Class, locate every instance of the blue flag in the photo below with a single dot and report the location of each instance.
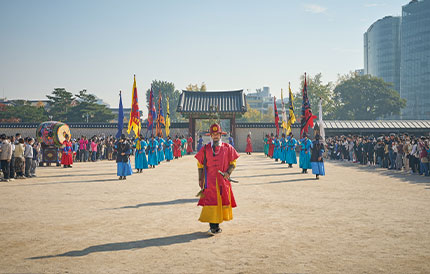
(120, 117)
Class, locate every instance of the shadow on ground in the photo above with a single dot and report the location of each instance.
(173, 202)
(162, 241)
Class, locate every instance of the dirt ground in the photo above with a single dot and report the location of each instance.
(84, 220)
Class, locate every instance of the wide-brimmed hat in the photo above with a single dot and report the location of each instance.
(216, 128)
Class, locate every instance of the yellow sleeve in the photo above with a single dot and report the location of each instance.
(199, 165)
(233, 163)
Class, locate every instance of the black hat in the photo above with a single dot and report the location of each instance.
(122, 136)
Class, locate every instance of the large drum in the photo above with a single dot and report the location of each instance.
(52, 133)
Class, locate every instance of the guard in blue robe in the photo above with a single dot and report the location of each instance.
(305, 154)
(140, 161)
(277, 150)
(231, 140)
(199, 143)
(123, 165)
(317, 162)
(291, 151)
(152, 153)
(160, 150)
(168, 151)
(283, 155)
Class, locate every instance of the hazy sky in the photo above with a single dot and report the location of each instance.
(99, 45)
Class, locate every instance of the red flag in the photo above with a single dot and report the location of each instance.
(307, 118)
(276, 116)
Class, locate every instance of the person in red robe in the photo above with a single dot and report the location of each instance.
(189, 145)
(216, 196)
(177, 148)
(67, 155)
(271, 145)
(248, 148)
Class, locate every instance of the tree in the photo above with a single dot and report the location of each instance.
(167, 89)
(252, 115)
(86, 104)
(366, 98)
(269, 116)
(195, 87)
(316, 90)
(60, 104)
(23, 111)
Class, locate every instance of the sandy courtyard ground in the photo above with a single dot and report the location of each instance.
(84, 220)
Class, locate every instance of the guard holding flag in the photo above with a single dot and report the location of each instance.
(216, 161)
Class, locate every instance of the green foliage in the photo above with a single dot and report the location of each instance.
(24, 111)
(167, 89)
(252, 115)
(365, 98)
(86, 104)
(316, 90)
(60, 104)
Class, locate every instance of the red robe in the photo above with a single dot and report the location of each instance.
(271, 147)
(67, 153)
(224, 155)
(190, 145)
(248, 145)
(177, 148)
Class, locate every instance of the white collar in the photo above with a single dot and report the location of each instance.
(219, 144)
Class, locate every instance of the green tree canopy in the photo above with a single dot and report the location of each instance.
(60, 103)
(167, 89)
(86, 104)
(316, 90)
(196, 87)
(24, 112)
(365, 98)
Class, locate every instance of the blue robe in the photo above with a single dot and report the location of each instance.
(317, 166)
(291, 151)
(231, 141)
(168, 150)
(140, 161)
(152, 154)
(160, 151)
(283, 156)
(199, 144)
(305, 158)
(277, 151)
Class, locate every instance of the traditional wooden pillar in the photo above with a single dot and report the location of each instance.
(233, 130)
(192, 129)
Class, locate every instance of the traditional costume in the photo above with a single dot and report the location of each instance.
(317, 157)
(183, 146)
(277, 149)
(271, 146)
(231, 141)
(160, 150)
(283, 155)
(123, 158)
(168, 152)
(140, 161)
(199, 144)
(152, 154)
(217, 197)
(248, 148)
(305, 154)
(266, 145)
(190, 145)
(291, 151)
(177, 148)
(67, 155)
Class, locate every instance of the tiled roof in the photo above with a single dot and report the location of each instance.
(212, 101)
(377, 124)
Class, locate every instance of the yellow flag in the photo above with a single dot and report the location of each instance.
(284, 114)
(291, 117)
(134, 122)
(167, 125)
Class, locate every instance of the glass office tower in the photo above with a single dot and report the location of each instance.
(415, 59)
(382, 50)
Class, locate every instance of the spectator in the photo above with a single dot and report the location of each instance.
(5, 157)
(19, 159)
(28, 155)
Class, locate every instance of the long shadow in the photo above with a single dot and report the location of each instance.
(71, 182)
(406, 177)
(280, 182)
(267, 175)
(77, 175)
(162, 241)
(173, 202)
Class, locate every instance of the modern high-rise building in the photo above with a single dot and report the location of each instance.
(415, 59)
(397, 49)
(382, 50)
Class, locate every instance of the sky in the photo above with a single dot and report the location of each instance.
(228, 44)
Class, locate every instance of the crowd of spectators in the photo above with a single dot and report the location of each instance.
(394, 152)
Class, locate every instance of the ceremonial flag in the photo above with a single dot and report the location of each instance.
(160, 117)
(151, 111)
(284, 114)
(134, 122)
(167, 117)
(276, 116)
(320, 121)
(291, 116)
(307, 118)
(120, 117)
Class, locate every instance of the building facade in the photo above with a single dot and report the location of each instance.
(415, 59)
(382, 50)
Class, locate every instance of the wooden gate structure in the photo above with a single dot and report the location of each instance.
(210, 105)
